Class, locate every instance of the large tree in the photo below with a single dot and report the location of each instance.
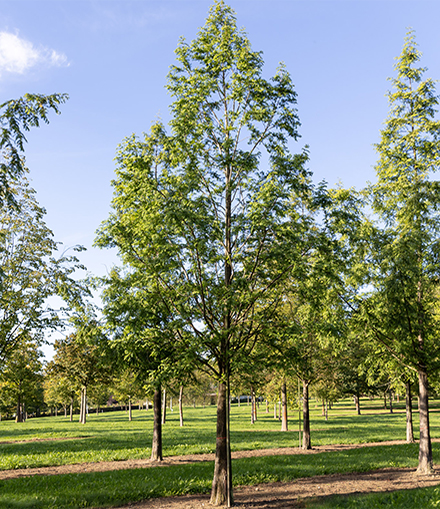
(211, 212)
(405, 258)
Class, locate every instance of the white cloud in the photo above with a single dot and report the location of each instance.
(19, 55)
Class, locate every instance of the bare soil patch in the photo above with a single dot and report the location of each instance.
(264, 496)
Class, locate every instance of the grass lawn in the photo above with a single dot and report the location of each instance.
(110, 436)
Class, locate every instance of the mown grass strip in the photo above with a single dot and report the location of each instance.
(106, 489)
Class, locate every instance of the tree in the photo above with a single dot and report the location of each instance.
(22, 377)
(17, 116)
(142, 338)
(402, 311)
(30, 273)
(211, 212)
(82, 358)
(58, 389)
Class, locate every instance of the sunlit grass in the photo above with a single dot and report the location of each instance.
(110, 436)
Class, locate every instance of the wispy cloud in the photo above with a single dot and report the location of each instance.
(18, 55)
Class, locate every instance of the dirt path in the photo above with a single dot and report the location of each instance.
(264, 496)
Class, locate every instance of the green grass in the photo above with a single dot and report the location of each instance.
(105, 489)
(110, 436)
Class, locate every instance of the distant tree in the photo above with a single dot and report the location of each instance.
(127, 387)
(59, 389)
(17, 116)
(82, 358)
(22, 377)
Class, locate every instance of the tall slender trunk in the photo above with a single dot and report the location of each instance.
(156, 447)
(222, 482)
(284, 425)
(83, 406)
(181, 405)
(164, 406)
(71, 409)
(409, 420)
(130, 413)
(391, 401)
(307, 443)
(425, 448)
(253, 406)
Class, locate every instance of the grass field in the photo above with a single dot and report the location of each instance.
(110, 436)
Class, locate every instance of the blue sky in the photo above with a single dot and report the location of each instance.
(112, 58)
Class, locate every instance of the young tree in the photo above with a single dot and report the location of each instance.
(406, 198)
(17, 116)
(211, 212)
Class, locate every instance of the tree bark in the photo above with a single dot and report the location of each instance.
(164, 406)
(19, 414)
(391, 401)
(425, 448)
(222, 482)
(358, 403)
(307, 442)
(284, 425)
(83, 405)
(156, 448)
(181, 405)
(409, 420)
(253, 406)
(130, 413)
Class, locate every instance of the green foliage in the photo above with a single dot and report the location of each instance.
(404, 252)
(22, 378)
(30, 273)
(17, 116)
(211, 228)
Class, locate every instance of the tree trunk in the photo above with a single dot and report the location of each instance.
(275, 415)
(19, 414)
(409, 420)
(156, 448)
(71, 409)
(181, 405)
(83, 405)
(130, 413)
(425, 448)
(222, 482)
(358, 403)
(307, 443)
(284, 425)
(164, 406)
(391, 401)
(253, 406)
